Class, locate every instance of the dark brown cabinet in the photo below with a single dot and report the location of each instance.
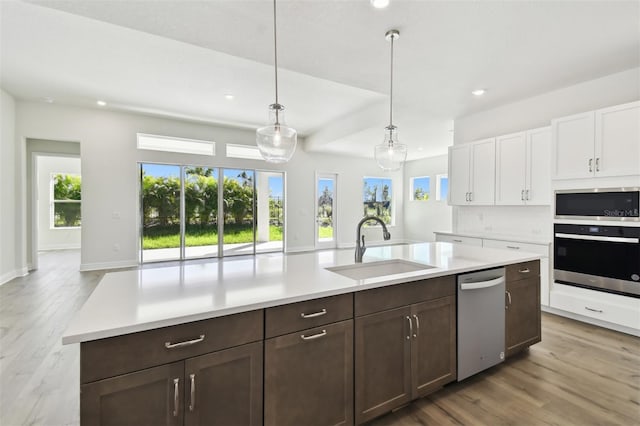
(201, 373)
(147, 397)
(406, 352)
(523, 321)
(309, 377)
(225, 387)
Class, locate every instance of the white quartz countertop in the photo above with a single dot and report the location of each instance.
(502, 237)
(139, 300)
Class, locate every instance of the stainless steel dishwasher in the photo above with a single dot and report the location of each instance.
(480, 321)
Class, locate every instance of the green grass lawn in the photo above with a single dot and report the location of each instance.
(169, 236)
(325, 232)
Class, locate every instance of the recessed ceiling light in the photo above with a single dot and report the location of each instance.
(48, 100)
(101, 103)
(229, 97)
(379, 4)
(478, 92)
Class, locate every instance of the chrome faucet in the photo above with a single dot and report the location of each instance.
(361, 248)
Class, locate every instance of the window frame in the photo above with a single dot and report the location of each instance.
(412, 188)
(392, 212)
(53, 201)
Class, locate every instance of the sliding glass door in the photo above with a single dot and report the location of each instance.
(186, 214)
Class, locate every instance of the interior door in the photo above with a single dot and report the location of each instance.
(325, 210)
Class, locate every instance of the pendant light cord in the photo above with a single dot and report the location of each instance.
(391, 91)
(275, 49)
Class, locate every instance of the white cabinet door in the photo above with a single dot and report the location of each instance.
(617, 140)
(459, 172)
(538, 171)
(511, 159)
(483, 172)
(573, 146)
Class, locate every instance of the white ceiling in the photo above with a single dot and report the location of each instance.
(178, 58)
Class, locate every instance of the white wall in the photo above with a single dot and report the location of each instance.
(531, 113)
(54, 238)
(110, 177)
(423, 218)
(10, 267)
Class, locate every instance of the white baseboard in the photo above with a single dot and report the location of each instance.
(8, 276)
(108, 265)
(593, 321)
(300, 249)
(69, 246)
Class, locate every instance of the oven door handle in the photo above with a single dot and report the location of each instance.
(597, 238)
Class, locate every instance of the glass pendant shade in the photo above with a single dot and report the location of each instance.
(390, 154)
(276, 141)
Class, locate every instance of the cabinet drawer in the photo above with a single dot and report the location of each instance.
(523, 270)
(131, 352)
(613, 308)
(459, 239)
(381, 299)
(542, 249)
(310, 313)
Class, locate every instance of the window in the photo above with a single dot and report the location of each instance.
(420, 188)
(442, 187)
(377, 198)
(66, 201)
(171, 144)
(243, 151)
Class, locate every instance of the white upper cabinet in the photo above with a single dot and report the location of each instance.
(472, 173)
(598, 143)
(522, 168)
(617, 140)
(538, 167)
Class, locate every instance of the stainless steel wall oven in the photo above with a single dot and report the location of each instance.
(604, 258)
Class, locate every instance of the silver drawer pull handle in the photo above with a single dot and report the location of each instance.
(192, 403)
(315, 336)
(175, 397)
(457, 241)
(593, 310)
(513, 247)
(410, 328)
(170, 345)
(314, 315)
(417, 333)
(524, 271)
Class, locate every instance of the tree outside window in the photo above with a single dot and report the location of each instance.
(420, 188)
(66, 196)
(377, 198)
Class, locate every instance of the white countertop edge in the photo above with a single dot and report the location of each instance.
(498, 237)
(356, 285)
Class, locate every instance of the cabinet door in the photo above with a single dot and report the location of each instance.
(382, 362)
(309, 377)
(148, 397)
(511, 155)
(618, 140)
(522, 314)
(538, 171)
(433, 354)
(573, 146)
(224, 387)
(459, 169)
(483, 172)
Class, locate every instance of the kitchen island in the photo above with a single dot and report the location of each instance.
(247, 340)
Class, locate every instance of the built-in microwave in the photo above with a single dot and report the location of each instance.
(600, 204)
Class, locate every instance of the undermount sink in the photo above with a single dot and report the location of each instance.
(361, 271)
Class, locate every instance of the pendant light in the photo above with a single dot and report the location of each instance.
(276, 141)
(390, 154)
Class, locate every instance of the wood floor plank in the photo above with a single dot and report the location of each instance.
(578, 375)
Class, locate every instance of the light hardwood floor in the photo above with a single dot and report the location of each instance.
(578, 375)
